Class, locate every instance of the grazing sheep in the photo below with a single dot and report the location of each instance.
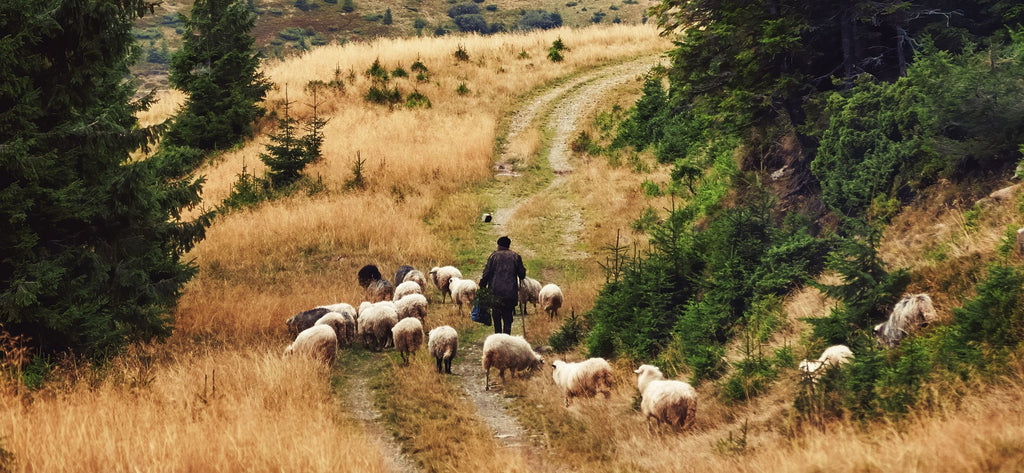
(402, 271)
(832, 356)
(408, 337)
(344, 326)
(375, 323)
(418, 278)
(550, 299)
(910, 313)
(341, 308)
(406, 288)
(318, 342)
(380, 290)
(443, 344)
(413, 305)
(442, 277)
(669, 401)
(505, 352)
(586, 378)
(368, 274)
(529, 291)
(303, 320)
(463, 291)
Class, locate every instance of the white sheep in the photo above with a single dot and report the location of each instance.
(442, 276)
(550, 299)
(417, 277)
(585, 378)
(402, 271)
(505, 352)
(408, 337)
(319, 342)
(413, 305)
(834, 355)
(344, 325)
(529, 291)
(910, 313)
(670, 401)
(375, 323)
(463, 291)
(340, 307)
(406, 288)
(443, 344)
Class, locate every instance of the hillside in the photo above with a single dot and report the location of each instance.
(288, 27)
(504, 135)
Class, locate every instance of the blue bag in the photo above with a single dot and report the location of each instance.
(480, 314)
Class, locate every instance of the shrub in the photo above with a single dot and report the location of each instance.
(581, 143)
(348, 6)
(554, 55)
(492, 8)
(569, 335)
(472, 23)
(463, 9)
(417, 100)
(382, 95)
(419, 23)
(539, 19)
(461, 54)
(462, 89)
(399, 72)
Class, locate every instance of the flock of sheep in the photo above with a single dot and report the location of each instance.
(394, 317)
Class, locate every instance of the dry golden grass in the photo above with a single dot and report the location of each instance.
(194, 408)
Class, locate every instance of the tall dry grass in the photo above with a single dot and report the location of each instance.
(191, 408)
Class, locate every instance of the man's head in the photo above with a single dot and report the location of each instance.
(504, 242)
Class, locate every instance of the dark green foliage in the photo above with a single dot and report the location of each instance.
(91, 252)
(462, 89)
(463, 9)
(461, 54)
(647, 119)
(219, 70)
(302, 5)
(569, 335)
(247, 191)
(358, 180)
(598, 16)
(288, 154)
(383, 95)
(492, 8)
(387, 20)
(472, 23)
(867, 293)
(348, 6)
(417, 100)
(554, 55)
(539, 19)
(399, 72)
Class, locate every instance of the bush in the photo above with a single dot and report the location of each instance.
(348, 6)
(539, 19)
(462, 89)
(461, 54)
(382, 95)
(492, 8)
(463, 9)
(473, 23)
(419, 23)
(570, 334)
(417, 100)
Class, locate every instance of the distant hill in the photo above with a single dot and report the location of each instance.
(288, 27)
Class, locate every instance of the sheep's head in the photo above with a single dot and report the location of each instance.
(646, 374)
(538, 361)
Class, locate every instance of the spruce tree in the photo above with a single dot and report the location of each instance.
(90, 255)
(219, 70)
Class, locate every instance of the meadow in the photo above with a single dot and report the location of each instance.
(218, 396)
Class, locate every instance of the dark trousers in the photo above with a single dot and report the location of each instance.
(501, 315)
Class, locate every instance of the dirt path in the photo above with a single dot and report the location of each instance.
(359, 402)
(568, 103)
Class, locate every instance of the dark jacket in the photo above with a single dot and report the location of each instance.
(502, 274)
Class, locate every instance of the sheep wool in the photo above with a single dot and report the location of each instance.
(442, 276)
(417, 277)
(344, 326)
(585, 378)
(318, 342)
(550, 298)
(408, 336)
(406, 288)
(443, 345)
(834, 355)
(669, 401)
(402, 271)
(909, 314)
(529, 291)
(507, 352)
(413, 305)
(375, 323)
(463, 291)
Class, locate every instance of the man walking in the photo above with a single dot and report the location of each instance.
(502, 274)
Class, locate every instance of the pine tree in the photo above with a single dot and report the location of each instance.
(219, 69)
(91, 252)
(387, 17)
(289, 153)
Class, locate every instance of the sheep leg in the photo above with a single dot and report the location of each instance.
(448, 366)
(487, 379)
(438, 365)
